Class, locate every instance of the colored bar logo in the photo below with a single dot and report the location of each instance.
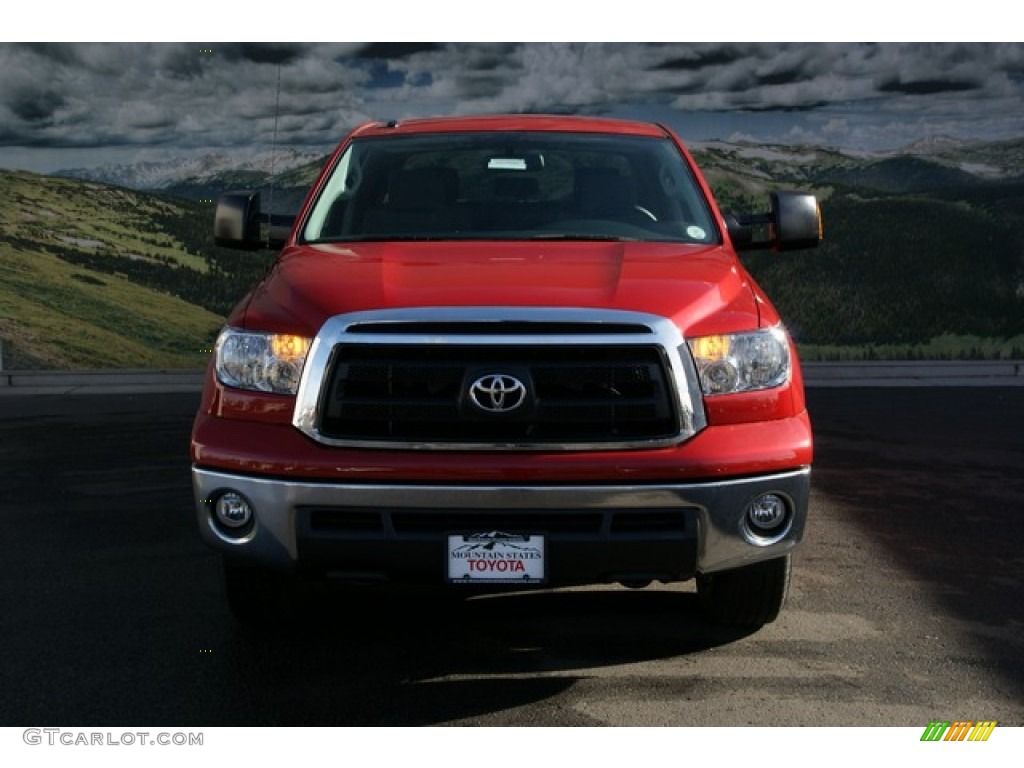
(960, 730)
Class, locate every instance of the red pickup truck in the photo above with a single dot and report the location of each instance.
(507, 352)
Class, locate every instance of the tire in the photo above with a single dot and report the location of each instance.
(748, 597)
(259, 597)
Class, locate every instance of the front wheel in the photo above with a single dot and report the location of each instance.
(750, 596)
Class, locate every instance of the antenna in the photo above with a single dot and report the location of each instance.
(273, 157)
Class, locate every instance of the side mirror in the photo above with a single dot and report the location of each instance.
(740, 232)
(237, 223)
(797, 219)
(794, 223)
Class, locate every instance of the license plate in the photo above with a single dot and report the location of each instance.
(496, 558)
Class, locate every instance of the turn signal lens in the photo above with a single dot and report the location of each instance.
(710, 347)
(741, 362)
(264, 362)
(289, 348)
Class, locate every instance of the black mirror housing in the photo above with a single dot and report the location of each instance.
(797, 221)
(740, 232)
(237, 221)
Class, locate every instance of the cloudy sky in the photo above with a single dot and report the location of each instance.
(68, 105)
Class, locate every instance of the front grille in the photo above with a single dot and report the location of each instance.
(361, 522)
(499, 379)
(499, 328)
(419, 392)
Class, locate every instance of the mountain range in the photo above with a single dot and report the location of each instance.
(206, 168)
(927, 165)
(923, 253)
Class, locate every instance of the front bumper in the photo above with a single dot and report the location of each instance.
(595, 533)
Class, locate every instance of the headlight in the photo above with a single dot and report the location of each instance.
(741, 362)
(266, 362)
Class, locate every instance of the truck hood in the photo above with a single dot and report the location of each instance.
(702, 289)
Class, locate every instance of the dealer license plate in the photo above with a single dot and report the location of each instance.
(496, 558)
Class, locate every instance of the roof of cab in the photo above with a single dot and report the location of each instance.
(571, 123)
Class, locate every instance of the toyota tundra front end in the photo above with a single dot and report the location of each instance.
(508, 352)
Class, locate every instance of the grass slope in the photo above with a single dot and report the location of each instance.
(99, 276)
(67, 249)
(902, 272)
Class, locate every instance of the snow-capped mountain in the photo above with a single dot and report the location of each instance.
(196, 169)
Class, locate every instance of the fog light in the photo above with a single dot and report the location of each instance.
(767, 513)
(232, 511)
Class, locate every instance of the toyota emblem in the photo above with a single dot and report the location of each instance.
(497, 393)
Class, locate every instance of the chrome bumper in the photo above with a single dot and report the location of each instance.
(718, 506)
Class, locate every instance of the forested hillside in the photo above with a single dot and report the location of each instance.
(920, 258)
(899, 270)
(923, 257)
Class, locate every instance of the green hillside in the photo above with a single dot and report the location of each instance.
(899, 270)
(93, 276)
(921, 259)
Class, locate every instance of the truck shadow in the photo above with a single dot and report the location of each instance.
(386, 657)
(932, 479)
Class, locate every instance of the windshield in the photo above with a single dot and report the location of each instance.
(503, 186)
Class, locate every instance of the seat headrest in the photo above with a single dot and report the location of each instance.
(516, 187)
(420, 189)
(603, 189)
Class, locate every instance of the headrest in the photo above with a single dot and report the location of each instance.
(603, 189)
(516, 187)
(420, 189)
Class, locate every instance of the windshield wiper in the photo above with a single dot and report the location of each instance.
(472, 236)
(581, 236)
(381, 238)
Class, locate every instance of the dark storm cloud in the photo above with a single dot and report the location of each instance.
(489, 57)
(395, 50)
(100, 59)
(480, 85)
(63, 54)
(210, 95)
(702, 58)
(876, 79)
(781, 77)
(180, 63)
(192, 95)
(259, 53)
(36, 108)
(804, 107)
(926, 87)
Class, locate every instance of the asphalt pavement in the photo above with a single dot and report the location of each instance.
(905, 605)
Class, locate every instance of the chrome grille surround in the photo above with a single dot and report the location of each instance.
(494, 328)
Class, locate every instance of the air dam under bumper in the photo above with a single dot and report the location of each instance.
(595, 533)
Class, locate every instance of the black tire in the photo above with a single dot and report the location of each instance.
(750, 597)
(259, 597)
